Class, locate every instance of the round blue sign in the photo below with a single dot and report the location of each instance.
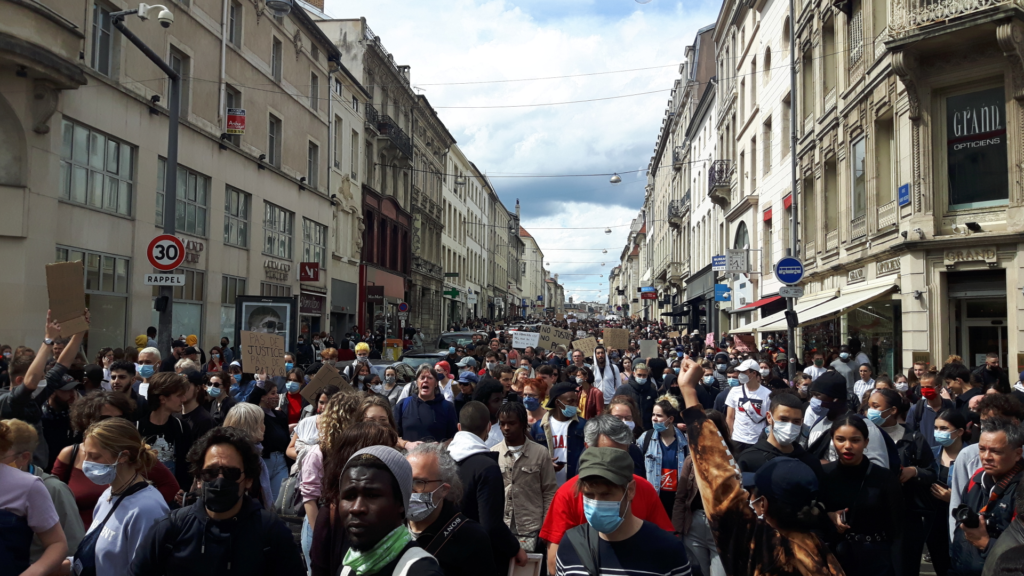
(789, 270)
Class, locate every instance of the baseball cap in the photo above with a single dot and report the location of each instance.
(467, 377)
(612, 464)
(749, 364)
(396, 463)
(190, 350)
(68, 383)
(467, 361)
(785, 479)
(559, 389)
(94, 373)
(781, 357)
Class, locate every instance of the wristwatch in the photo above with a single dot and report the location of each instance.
(48, 341)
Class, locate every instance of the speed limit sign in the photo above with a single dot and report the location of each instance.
(166, 252)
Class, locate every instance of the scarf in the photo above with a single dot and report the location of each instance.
(372, 560)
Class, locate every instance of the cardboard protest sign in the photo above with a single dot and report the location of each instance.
(559, 316)
(649, 348)
(586, 345)
(262, 351)
(673, 334)
(522, 339)
(551, 337)
(581, 334)
(65, 283)
(325, 376)
(744, 342)
(616, 338)
(532, 567)
(710, 339)
(570, 321)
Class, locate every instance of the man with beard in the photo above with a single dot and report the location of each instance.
(992, 375)
(606, 375)
(122, 376)
(56, 420)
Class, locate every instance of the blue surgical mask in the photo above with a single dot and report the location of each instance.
(237, 377)
(531, 403)
(709, 379)
(844, 355)
(292, 386)
(676, 369)
(659, 427)
(944, 438)
(817, 406)
(734, 381)
(603, 516)
(215, 356)
(213, 391)
(146, 371)
(875, 416)
(569, 411)
(721, 367)
(640, 380)
(451, 349)
(101, 474)
(288, 366)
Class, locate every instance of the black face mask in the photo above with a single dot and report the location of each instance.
(220, 495)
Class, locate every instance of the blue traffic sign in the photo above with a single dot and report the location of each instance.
(904, 194)
(789, 270)
(718, 263)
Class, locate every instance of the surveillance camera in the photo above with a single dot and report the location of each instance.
(165, 17)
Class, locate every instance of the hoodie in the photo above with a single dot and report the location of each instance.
(483, 496)
(605, 380)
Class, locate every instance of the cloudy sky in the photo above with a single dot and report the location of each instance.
(457, 47)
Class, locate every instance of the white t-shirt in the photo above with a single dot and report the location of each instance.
(559, 434)
(751, 412)
(494, 436)
(814, 371)
(122, 535)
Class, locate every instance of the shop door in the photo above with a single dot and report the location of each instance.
(982, 329)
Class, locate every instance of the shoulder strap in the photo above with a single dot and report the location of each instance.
(585, 540)
(647, 440)
(138, 486)
(74, 456)
(449, 530)
(410, 557)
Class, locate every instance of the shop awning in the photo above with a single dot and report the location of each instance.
(777, 321)
(845, 303)
(760, 303)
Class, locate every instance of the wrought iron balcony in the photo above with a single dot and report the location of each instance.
(388, 128)
(718, 175)
(371, 115)
(677, 210)
(908, 16)
(677, 157)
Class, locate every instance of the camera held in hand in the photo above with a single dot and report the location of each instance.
(964, 515)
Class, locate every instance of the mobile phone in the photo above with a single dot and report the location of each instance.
(842, 516)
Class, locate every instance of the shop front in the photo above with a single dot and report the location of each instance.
(381, 293)
(312, 306)
(344, 296)
(700, 303)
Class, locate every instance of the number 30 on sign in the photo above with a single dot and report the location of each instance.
(166, 252)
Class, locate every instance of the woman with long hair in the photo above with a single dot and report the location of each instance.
(624, 408)
(276, 436)
(116, 457)
(376, 408)
(292, 403)
(591, 399)
(218, 401)
(307, 433)
(521, 375)
(216, 363)
(950, 431)
(250, 419)
(626, 369)
(392, 387)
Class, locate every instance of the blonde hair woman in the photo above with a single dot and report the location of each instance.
(249, 419)
(116, 455)
(518, 379)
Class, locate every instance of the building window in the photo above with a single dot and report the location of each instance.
(190, 209)
(96, 170)
(855, 32)
(314, 242)
(101, 40)
(766, 143)
(277, 231)
(339, 129)
(236, 217)
(274, 141)
(312, 164)
(235, 24)
(275, 60)
(884, 145)
(233, 99)
(181, 64)
(769, 245)
(230, 289)
(187, 316)
(106, 289)
(828, 47)
(785, 135)
(859, 185)
(314, 91)
(355, 155)
(314, 53)
(976, 154)
(268, 289)
(355, 105)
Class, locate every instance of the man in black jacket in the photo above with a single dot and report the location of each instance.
(785, 422)
(483, 497)
(224, 531)
(642, 391)
(460, 545)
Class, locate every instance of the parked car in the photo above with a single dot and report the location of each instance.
(449, 339)
(415, 359)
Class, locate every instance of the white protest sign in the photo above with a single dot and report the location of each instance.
(522, 340)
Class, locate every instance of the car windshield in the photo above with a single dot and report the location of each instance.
(449, 340)
(414, 362)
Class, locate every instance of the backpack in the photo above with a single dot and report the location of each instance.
(585, 541)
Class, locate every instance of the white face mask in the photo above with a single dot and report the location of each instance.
(629, 424)
(902, 387)
(785, 432)
(743, 378)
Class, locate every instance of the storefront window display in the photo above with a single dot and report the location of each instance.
(877, 327)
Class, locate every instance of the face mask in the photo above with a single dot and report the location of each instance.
(101, 474)
(876, 417)
(676, 369)
(145, 370)
(301, 342)
(944, 438)
(491, 365)
(640, 380)
(288, 366)
(603, 516)
(569, 411)
(722, 367)
(531, 404)
(765, 372)
(213, 391)
(743, 378)
(819, 362)
(581, 381)
(817, 406)
(734, 362)
(377, 388)
(389, 379)
(292, 386)
(629, 424)
(902, 386)
(7, 355)
(709, 379)
(804, 389)
(770, 342)
(929, 393)
(215, 356)
(786, 432)
(659, 427)
(844, 355)
(220, 495)
(237, 377)
(451, 349)
(421, 505)
(733, 381)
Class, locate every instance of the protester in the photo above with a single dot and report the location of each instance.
(460, 544)
(291, 402)
(490, 394)
(780, 437)
(218, 402)
(425, 416)
(392, 388)
(236, 533)
(606, 375)
(664, 450)
(193, 409)
(276, 435)
(561, 431)
(535, 395)
(748, 405)
(167, 435)
(249, 418)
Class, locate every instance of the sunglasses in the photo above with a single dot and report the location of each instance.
(230, 473)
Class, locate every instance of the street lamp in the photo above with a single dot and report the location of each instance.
(615, 179)
(279, 8)
(166, 18)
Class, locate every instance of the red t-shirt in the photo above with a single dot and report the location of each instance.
(566, 510)
(294, 407)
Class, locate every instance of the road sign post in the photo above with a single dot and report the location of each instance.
(789, 270)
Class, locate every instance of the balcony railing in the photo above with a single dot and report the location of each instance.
(830, 99)
(718, 175)
(888, 214)
(859, 228)
(677, 158)
(676, 210)
(808, 124)
(386, 126)
(832, 241)
(906, 16)
(372, 116)
(809, 251)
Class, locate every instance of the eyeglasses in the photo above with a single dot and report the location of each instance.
(230, 473)
(421, 485)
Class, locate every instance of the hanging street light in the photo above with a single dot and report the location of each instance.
(615, 179)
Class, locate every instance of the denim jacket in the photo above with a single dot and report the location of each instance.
(652, 457)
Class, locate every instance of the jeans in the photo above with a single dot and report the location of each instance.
(307, 542)
(700, 545)
(278, 472)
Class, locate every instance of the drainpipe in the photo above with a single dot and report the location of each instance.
(222, 96)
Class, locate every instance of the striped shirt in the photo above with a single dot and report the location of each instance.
(650, 552)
